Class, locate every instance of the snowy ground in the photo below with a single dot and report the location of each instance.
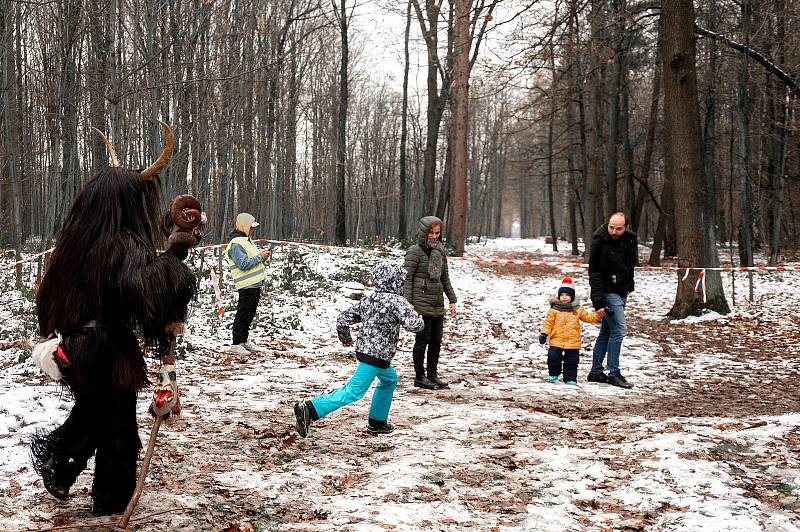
(708, 439)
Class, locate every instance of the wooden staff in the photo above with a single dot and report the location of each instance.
(137, 493)
(123, 523)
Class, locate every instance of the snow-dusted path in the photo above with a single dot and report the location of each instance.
(708, 439)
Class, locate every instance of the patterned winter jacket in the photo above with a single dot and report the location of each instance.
(380, 315)
(563, 324)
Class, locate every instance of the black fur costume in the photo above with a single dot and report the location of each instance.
(104, 281)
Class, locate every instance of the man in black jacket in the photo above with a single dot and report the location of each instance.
(614, 254)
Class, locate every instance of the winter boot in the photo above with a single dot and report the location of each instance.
(438, 382)
(302, 415)
(552, 378)
(376, 427)
(424, 382)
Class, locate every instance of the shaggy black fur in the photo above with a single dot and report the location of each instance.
(105, 268)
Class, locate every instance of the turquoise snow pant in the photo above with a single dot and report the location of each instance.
(355, 389)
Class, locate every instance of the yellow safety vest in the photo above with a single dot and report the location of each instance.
(245, 278)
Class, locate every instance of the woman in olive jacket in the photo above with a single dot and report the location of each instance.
(427, 280)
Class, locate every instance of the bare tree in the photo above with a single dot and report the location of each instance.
(341, 145)
(460, 130)
(683, 159)
(402, 229)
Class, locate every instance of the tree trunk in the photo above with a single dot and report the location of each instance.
(683, 159)
(713, 278)
(437, 99)
(446, 186)
(573, 196)
(594, 197)
(402, 229)
(10, 125)
(97, 76)
(550, 126)
(743, 147)
(341, 144)
(460, 129)
(778, 153)
(651, 137)
(70, 95)
(627, 149)
(614, 85)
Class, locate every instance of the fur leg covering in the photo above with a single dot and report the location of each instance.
(60, 456)
(117, 450)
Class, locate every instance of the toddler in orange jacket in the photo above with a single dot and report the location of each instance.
(563, 328)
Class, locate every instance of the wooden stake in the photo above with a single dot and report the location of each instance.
(169, 358)
(123, 523)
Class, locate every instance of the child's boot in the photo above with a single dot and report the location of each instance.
(302, 415)
(376, 427)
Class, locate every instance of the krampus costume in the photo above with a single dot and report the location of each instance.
(105, 280)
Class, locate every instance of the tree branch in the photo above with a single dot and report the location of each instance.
(787, 79)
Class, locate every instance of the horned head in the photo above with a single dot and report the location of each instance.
(150, 172)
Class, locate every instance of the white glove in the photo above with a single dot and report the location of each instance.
(44, 356)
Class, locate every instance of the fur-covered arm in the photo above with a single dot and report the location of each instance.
(167, 287)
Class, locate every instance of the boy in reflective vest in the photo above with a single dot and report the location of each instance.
(247, 269)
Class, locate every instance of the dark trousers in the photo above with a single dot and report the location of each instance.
(569, 357)
(245, 312)
(430, 337)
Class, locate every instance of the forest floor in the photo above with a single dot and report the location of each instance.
(709, 437)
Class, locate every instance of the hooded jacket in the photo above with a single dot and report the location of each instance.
(563, 324)
(611, 265)
(381, 314)
(426, 294)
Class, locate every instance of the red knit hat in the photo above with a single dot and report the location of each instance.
(566, 288)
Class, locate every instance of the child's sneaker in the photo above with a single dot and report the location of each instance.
(302, 416)
(375, 429)
(571, 383)
(552, 378)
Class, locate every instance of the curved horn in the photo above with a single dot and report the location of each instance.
(110, 147)
(189, 219)
(169, 144)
